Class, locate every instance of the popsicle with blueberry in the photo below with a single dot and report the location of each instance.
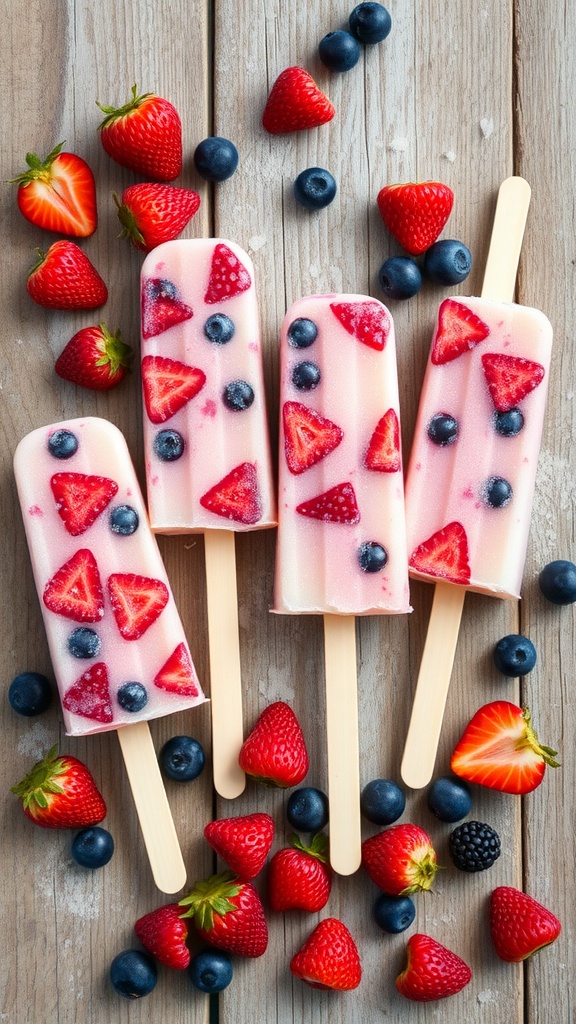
(116, 641)
(341, 549)
(472, 470)
(207, 451)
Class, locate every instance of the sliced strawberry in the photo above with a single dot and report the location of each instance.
(89, 696)
(459, 330)
(338, 505)
(58, 193)
(510, 378)
(177, 674)
(444, 554)
(81, 498)
(236, 496)
(369, 322)
(75, 590)
(308, 436)
(228, 276)
(161, 307)
(295, 103)
(168, 386)
(137, 601)
(383, 453)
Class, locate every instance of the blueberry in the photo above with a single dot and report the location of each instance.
(302, 333)
(215, 158)
(124, 520)
(496, 492)
(443, 429)
(92, 847)
(306, 376)
(447, 262)
(514, 655)
(370, 23)
(372, 556)
(30, 693)
(509, 423)
(182, 758)
(63, 444)
(238, 395)
(557, 582)
(382, 801)
(210, 971)
(315, 188)
(339, 51)
(168, 445)
(132, 697)
(219, 328)
(307, 809)
(133, 974)
(399, 277)
(449, 799)
(394, 913)
(84, 642)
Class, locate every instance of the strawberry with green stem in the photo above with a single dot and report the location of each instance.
(299, 876)
(228, 914)
(58, 193)
(94, 358)
(60, 792)
(145, 135)
(64, 278)
(152, 213)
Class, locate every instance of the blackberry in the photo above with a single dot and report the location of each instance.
(474, 846)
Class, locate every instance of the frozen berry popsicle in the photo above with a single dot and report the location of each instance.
(116, 641)
(341, 548)
(208, 465)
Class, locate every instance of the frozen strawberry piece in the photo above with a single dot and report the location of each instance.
(168, 385)
(510, 378)
(75, 590)
(459, 330)
(136, 601)
(80, 499)
(161, 307)
(444, 555)
(228, 276)
(383, 453)
(308, 436)
(369, 322)
(338, 505)
(89, 696)
(236, 496)
(177, 675)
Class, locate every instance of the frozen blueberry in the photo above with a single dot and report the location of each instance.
(307, 809)
(443, 429)
(372, 556)
(124, 520)
(92, 847)
(133, 974)
(84, 642)
(306, 376)
(447, 262)
(515, 655)
(382, 801)
(30, 693)
(394, 914)
(509, 423)
(370, 23)
(315, 188)
(496, 492)
(63, 444)
(399, 277)
(302, 333)
(339, 51)
(182, 758)
(168, 445)
(132, 697)
(216, 158)
(449, 799)
(557, 582)
(219, 328)
(210, 971)
(238, 395)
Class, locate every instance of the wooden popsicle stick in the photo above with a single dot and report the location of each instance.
(225, 674)
(440, 647)
(342, 741)
(152, 807)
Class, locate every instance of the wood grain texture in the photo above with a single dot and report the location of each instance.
(468, 98)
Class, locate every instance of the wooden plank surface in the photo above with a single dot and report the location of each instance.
(468, 99)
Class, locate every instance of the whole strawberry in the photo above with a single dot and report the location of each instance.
(299, 876)
(329, 958)
(163, 932)
(432, 972)
(295, 103)
(58, 193)
(94, 358)
(228, 914)
(144, 135)
(59, 792)
(415, 212)
(401, 860)
(152, 213)
(275, 753)
(64, 278)
(519, 925)
(243, 843)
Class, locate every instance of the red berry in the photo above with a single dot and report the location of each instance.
(275, 752)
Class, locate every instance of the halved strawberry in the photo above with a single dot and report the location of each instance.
(137, 601)
(338, 505)
(177, 674)
(510, 378)
(81, 498)
(500, 749)
(236, 496)
(228, 276)
(89, 696)
(444, 554)
(168, 385)
(383, 453)
(58, 193)
(161, 307)
(369, 322)
(308, 436)
(295, 103)
(459, 330)
(75, 590)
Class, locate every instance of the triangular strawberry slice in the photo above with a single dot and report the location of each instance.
(137, 601)
(338, 505)
(177, 674)
(236, 496)
(369, 322)
(510, 378)
(161, 307)
(383, 453)
(444, 554)
(228, 276)
(459, 330)
(81, 498)
(308, 436)
(168, 385)
(75, 590)
(89, 696)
